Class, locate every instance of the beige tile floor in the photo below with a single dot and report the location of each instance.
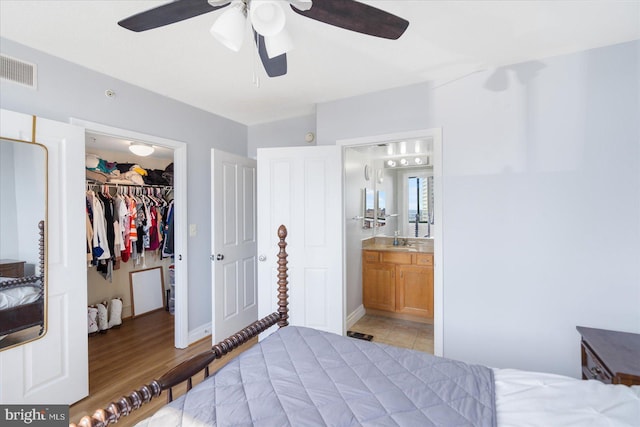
(400, 333)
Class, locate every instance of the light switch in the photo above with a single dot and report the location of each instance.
(192, 230)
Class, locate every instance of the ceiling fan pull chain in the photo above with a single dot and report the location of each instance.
(256, 78)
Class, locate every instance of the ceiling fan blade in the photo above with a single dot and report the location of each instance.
(166, 14)
(356, 16)
(276, 66)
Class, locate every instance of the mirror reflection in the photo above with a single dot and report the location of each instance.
(381, 212)
(400, 199)
(369, 208)
(23, 183)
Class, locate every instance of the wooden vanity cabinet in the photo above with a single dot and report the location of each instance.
(398, 282)
(380, 291)
(414, 290)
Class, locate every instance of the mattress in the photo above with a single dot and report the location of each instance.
(526, 398)
(304, 377)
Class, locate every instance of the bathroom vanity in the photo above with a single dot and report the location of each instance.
(397, 280)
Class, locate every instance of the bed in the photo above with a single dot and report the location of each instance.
(299, 376)
(22, 298)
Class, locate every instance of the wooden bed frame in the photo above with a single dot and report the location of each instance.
(25, 316)
(200, 362)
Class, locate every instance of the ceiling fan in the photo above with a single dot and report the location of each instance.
(267, 19)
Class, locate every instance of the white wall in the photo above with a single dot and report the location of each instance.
(541, 200)
(66, 90)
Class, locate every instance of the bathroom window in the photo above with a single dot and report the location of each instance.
(418, 197)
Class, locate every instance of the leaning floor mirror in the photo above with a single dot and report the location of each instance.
(23, 212)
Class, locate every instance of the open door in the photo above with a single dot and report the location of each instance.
(301, 188)
(233, 224)
(54, 369)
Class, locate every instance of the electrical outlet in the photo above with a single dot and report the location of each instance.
(192, 230)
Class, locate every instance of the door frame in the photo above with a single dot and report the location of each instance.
(181, 319)
(438, 282)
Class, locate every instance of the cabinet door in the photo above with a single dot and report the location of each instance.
(379, 291)
(414, 290)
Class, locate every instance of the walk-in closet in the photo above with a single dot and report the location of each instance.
(129, 248)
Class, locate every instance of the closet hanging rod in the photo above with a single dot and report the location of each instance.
(117, 184)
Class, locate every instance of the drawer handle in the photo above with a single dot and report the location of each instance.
(595, 371)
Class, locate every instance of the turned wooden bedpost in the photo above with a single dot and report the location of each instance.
(41, 255)
(200, 362)
(283, 310)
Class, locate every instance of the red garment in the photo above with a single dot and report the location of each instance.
(154, 242)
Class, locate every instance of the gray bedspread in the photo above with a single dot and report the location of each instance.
(305, 377)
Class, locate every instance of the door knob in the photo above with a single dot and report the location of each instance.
(262, 258)
(219, 257)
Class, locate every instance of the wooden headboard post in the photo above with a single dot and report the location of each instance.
(283, 302)
(41, 256)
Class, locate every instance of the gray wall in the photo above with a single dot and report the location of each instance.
(541, 200)
(66, 90)
(282, 133)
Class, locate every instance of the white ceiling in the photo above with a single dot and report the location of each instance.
(445, 40)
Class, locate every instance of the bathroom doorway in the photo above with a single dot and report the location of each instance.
(403, 172)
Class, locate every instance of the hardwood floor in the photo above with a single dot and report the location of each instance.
(124, 359)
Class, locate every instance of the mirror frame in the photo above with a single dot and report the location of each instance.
(42, 243)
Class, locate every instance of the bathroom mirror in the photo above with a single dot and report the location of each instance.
(23, 211)
(369, 208)
(381, 211)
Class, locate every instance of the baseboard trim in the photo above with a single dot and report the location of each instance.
(199, 333)
(355, 315)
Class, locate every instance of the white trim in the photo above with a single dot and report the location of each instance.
(438, 285)
(181, 333)
(355, 315)
(200, 332)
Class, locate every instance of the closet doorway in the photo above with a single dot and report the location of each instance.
(105, 141)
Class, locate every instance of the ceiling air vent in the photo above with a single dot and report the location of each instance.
(17, 71)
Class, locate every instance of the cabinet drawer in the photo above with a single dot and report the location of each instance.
(424, 259)
(396, 257)
(370, 256)
(592, 368)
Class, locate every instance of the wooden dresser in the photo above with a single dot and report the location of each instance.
(610, 356)
(11, 268)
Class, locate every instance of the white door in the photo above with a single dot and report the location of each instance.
(233, 210)
(301, 188)
(54, 369)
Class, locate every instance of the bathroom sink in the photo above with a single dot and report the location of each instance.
(400, 248)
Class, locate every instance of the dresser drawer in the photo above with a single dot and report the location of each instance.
(592, 368)
(11, 268)
(424, 259)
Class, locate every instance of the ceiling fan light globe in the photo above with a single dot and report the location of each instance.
(229, 28)
(267, 17)
(278, 44)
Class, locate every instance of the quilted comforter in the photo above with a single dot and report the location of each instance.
(301, 377)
